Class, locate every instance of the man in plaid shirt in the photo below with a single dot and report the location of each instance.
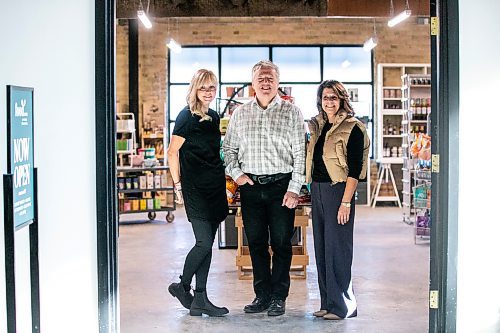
(264, 152)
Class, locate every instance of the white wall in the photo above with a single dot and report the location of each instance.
(479, 213)
(49, 45)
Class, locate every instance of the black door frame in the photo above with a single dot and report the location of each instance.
(445, 179)
(107, 220)
(445, 84)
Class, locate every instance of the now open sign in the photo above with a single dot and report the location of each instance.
(20, 151)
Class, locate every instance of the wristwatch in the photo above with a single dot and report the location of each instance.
(346, 204)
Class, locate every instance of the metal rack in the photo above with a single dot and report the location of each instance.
(414, 86)
(422, 204)
(150, 192)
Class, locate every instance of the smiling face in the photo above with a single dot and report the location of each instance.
(265, 83)
(206, 94)
(330, 102)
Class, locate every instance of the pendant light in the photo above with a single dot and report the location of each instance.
(400, 17)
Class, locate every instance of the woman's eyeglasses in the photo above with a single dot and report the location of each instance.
(208, 89)
(330, 98)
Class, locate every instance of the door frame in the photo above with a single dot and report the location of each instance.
(444, 117)
(445, 153)
(105, 115)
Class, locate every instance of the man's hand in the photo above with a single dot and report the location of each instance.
(290, 200)
(179, 199)
(243, 179)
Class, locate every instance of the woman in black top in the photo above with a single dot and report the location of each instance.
(194, 159)
(336, 160)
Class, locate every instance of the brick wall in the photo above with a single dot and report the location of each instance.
(406, 43)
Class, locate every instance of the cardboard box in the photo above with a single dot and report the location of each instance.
(150, 180)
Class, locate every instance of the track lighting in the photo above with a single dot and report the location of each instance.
(400, 17)
(141, 14)
(174, 46)
(371, 42)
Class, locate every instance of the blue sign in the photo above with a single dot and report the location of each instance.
(20, 151)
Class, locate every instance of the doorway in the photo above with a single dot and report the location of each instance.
(443, 246)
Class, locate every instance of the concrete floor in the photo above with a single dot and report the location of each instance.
(390, 276)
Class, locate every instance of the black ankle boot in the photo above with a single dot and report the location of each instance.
(201, 305)
(184, 296)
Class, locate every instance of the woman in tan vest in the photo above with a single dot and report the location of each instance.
(337, 158)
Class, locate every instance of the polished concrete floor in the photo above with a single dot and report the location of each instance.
(390, 277)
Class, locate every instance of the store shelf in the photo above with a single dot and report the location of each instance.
(145, 190)
(164, 209)
(139, 169)
(153, 136)
(391, 160)
(125, 151)
(168, 188)
(392, 112)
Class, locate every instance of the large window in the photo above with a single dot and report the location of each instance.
(302, 68)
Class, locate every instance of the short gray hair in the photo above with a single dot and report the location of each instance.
(266, 64)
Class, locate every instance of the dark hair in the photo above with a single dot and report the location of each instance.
(340, 91)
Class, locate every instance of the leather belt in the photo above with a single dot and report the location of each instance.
(268, 179)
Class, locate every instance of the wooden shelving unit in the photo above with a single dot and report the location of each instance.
(300, 258)
(390, 134)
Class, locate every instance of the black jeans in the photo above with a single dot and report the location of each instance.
(199, 258)
(264, 219)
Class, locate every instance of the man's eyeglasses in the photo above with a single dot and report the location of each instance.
(208, 89)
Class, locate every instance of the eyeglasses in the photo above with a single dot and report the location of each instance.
(330, 98)
(208, 89)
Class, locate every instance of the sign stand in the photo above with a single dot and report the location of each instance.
(20, 187)
(10, 267)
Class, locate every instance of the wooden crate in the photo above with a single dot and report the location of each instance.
(300, 257)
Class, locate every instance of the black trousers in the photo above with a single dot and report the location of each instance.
(333, 247)
(264, 219)
(199, 258)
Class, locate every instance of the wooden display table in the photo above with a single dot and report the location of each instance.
(300, 258)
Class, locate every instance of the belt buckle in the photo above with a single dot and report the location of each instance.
(261, 180)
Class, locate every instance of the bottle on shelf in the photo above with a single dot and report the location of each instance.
(401, 129)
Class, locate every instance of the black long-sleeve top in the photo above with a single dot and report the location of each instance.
(355, 146)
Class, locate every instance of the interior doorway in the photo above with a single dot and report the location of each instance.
(443, 275)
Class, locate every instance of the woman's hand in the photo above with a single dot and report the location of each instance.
(179, 199)
(343, 214)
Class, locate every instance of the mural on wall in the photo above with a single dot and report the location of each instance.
(182, 8)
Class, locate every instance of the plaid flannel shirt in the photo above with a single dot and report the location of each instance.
(266, 142)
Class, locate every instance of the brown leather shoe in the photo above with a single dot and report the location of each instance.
(320, 313)
(332, 316)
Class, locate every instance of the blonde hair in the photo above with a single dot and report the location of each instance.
(200, 78)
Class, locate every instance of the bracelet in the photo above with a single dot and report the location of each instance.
(346, 204)
(175, 183)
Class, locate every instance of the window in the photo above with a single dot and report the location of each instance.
(237, 62)
(183, 65)
(302, 68)
(347, 64)
(298, 64)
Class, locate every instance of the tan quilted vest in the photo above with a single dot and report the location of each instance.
(335, 148)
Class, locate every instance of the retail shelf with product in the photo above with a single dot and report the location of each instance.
(125, 138)
(145, 190)
(422, 204)
(416, 102)
(390, 144)
(154, 140)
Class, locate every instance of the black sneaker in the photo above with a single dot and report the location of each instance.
(276, 308)
(259, 304)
